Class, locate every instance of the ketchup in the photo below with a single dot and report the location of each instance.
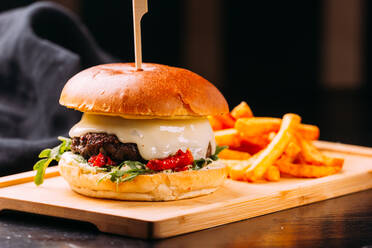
(177, 162)
(100, 160)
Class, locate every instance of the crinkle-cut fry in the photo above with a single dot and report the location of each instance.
(226, 120)
(275, 149)
(255, 126)
(233, 155)
(241, 111)
(228, 137)
(306, 170)
(215, 123)
(272, 174)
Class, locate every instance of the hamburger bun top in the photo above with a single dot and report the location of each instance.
(157, 91)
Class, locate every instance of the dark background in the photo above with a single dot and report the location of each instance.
(307, 57)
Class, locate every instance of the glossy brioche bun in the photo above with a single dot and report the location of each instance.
(154, 187)
(156, 91)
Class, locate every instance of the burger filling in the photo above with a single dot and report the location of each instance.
(124, 149)
(102, 149)
(92, 144)
(155, 139)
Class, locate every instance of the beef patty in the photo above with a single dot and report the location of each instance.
(92, 144)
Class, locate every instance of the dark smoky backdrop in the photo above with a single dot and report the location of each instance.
(308, 57)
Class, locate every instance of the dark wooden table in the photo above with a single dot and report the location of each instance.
(341, 222)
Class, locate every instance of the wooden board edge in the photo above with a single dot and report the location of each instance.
(343, 148)
(26, 177)
(237, 211)
(104, 222)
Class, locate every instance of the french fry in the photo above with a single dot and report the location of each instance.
(226, 120)
(242, 111)
(231, 163)
(237, 170)
(215, 123)
(306, 170)
(271, 136)
(311, 155)
(233, 155)
(272, 174)
(256, 126)
(249, 147)
(291, 152)
(309, 132)
(275, 149)
(228, 137)
(330, 161)
(265, 147)
(261, 141)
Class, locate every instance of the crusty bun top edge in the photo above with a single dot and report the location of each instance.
(157, 91)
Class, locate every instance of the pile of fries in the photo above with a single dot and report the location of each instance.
(268, 148)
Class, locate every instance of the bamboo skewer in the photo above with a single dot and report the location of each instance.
(139, 9)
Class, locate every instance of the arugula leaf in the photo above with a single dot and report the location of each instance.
(45, 153)
(117, 175)
(200, 163)
(133, 164)
(219, 149)
(79, 159)
(129, 177)
(65, 146)
(49, 155)
(40, 167)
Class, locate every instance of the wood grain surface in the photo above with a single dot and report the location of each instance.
(234, 201)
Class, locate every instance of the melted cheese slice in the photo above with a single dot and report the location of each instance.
(155, 138)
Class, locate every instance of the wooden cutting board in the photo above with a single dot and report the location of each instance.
(233, 202)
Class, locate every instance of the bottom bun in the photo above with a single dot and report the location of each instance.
(152, 187)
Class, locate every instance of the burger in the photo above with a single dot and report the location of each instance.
(144, 135)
